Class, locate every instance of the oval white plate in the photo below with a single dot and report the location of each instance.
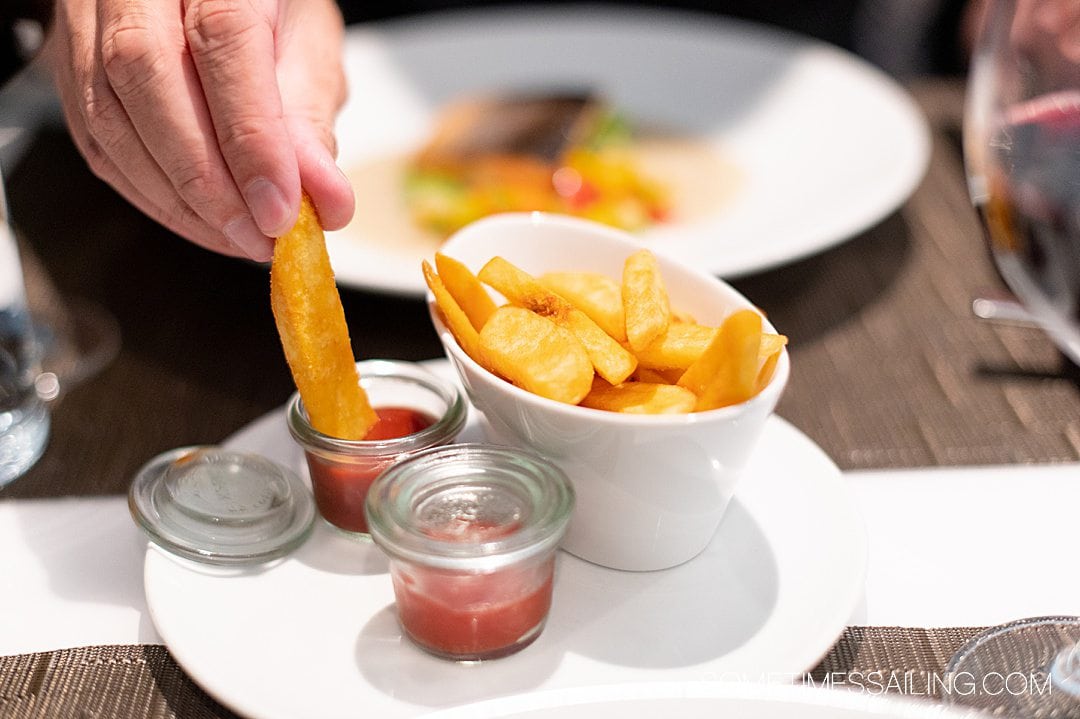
(826, 145)
(316, 635)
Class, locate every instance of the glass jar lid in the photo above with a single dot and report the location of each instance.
(221, 507)
(474, 507)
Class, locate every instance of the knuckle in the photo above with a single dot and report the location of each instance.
(212, 25)
(96, 158)
(183, 217)
(131, 56)
(194, 182)
(244, 135)
(104, 115)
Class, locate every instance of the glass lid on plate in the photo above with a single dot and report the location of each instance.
(221, 507)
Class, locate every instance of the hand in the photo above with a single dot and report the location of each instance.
(208, 115)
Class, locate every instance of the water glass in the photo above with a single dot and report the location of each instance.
(24, 418)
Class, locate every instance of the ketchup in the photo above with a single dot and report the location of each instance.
(340, 485)
(474, 616)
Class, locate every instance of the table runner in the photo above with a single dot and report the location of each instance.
(144, 682)
(889, 370)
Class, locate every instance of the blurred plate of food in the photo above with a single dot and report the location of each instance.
(727, 145)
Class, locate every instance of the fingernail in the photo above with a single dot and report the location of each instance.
(268, 207)
(249, 239)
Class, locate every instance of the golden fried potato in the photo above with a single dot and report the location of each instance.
(770, 345)
(466, 290)
(644, 374)
(455, 318)
(645, 300)
(611, 360)
(537, 355)
(640, 398)
(677, 348)
(597, 295)
(311, 322)
(728, 369)
(768, 356)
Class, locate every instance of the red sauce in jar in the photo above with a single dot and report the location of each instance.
(341, 485)
(474, 616)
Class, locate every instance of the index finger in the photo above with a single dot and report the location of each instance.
(232, 45)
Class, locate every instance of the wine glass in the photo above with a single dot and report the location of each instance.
(1022, 155)
(48, 345)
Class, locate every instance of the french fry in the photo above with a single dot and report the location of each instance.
(537, 355)
(597, 295)
(455, 318)
(466, 290)
(311, 322)
(680, 317)
(764, 375)
(770, 345)
(677, 348)
(728, 369)
(768, 356)
(645, 300)
(611, 360)
(644, 374)
(640, 398)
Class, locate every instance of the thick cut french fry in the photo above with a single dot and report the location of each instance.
(311, 322)
(730, 363)
(537, 355)
(770, 345)
(644, 374)
(764, 375)
(641, 398)
(768, 356)
(455, 318)
(645, 300)
(611, 360)
(466, 290)
(597, 295)
(715, 355)
(677, 348)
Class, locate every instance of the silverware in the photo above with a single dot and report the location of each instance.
(1002, 309)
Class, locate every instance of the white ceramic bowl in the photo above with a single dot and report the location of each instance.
(651, 490)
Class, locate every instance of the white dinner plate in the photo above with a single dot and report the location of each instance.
(821, 144)
(316, 635)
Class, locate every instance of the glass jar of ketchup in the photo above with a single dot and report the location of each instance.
(471, 531)
(417, 410)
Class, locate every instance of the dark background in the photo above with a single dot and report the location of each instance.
(905, 37)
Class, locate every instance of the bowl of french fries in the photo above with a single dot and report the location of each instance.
(647, 381)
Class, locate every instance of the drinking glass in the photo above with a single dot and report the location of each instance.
(1022, 155)
(46, 349)
(24, 418)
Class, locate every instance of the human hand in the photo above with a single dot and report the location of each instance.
(208, 115)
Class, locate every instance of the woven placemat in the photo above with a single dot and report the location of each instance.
(144, 682)
(136, 682)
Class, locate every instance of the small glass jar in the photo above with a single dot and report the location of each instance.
(471, 531)
(342, 470)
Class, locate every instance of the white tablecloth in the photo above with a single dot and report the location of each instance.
(948, 547)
